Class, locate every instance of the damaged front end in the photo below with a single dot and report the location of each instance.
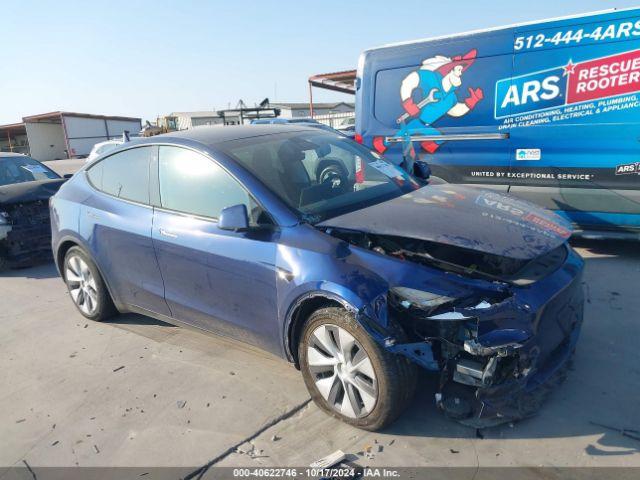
(502, 345)
(488, 354)
(25, 233)
(25, 225)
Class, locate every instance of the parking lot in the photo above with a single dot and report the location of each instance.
(136, 392)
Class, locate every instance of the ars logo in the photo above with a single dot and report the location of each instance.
(628, 168)
(572, 83)
(534, 91)
(500, 203)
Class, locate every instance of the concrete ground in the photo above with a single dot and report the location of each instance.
(137, 392)
(62, 167)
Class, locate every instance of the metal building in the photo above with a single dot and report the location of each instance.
(302, 110)
(185, 120)
(58, 135)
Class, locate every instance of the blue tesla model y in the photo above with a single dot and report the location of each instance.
(311, 246)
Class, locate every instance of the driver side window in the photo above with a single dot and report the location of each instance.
(194, 184)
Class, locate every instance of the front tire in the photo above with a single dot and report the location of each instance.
(348, 375)
(86, 286)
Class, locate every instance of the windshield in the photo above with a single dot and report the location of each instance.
(23, 169)
(320, 174)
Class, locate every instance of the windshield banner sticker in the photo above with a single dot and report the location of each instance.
(34, 168)
(386, 169)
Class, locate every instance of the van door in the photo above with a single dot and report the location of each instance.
(575, 118)
(440, 94)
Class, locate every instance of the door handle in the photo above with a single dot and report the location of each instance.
(165, 233)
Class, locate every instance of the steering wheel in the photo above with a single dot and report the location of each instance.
(332, 173)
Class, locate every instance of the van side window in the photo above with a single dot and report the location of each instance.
(194, 184)
(124, 175)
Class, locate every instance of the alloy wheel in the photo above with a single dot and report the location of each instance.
(342, 371)
(82, 285)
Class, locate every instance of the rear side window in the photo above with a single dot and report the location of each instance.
(124, 175)
(192, 183)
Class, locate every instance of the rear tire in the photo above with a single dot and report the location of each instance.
(368, 393)
(86, 286)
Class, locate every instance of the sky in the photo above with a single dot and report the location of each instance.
(150, 58)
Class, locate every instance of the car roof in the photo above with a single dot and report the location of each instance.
(213, 136)
(107, 142)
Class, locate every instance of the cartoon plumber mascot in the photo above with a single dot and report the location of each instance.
(438, 79)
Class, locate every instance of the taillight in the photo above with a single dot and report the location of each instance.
(359, 170)
(358, 138)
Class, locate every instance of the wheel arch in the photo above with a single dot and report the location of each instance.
(62, 245)
(370, 311)
(61, 252)
(68, 242)
(300, 311)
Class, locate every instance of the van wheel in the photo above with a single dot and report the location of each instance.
(4, 262)
(86, 286)
(350, 376)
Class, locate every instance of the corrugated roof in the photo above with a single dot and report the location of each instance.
(343, 81)
(43, 116)
(13, 126)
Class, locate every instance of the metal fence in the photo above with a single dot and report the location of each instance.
(334, 119)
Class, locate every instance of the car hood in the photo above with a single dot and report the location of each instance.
(29, 191)
(480, 220)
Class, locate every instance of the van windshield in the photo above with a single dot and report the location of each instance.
(320, 174)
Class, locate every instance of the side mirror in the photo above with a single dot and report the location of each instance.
(421, 170)
(67, 175)
(234, 218)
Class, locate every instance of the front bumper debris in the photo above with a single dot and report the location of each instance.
(27, 240)
(498, 359)
(484, 405)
